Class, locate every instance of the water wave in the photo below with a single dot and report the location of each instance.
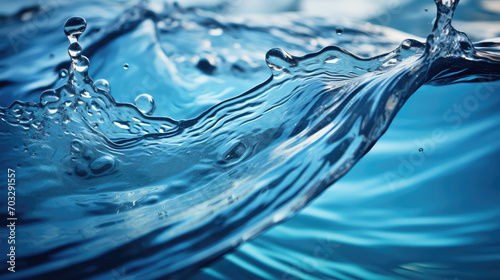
(177, 193)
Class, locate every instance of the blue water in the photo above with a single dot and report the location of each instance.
(224, 152)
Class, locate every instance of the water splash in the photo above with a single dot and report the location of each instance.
(220, 178)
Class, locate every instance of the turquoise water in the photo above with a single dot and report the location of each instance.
(215, 152)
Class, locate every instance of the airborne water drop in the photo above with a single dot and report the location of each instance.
(339, 30)
(74, 27)
(145, 103)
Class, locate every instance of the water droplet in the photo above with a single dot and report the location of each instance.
(125, 66)
(279, 59)
(49, 96)
(102, 164)
(421, 150)
(145, 103)
(339, 30)
(82, 64)
(74, 27)
(74, 50)
(103, 84)
(426, 10)
(63, 73)
(406, 44)
(51, 55)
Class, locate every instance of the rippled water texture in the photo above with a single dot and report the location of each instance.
(185, 146)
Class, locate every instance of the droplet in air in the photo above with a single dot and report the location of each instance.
(82, 64)
(74, 50)
(125, 66)
(339, 30)
(103, 84)
(145, 103)
(421, 150)
(426, 10)
(278, 59)
(74, 27)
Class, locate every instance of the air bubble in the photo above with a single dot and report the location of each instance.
(49, 96)
(421, 150)
(125, 66)
(339, 30)
(74, 27)
(145, 103)
(102, 164)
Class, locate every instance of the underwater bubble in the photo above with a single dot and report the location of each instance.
(421, 150)
(236, 152)
(49, 96)
(103, 84)
(88, 154)
(339, 30)
(102, 164)
(74, 27)
(125, 66)
(80, 171)
(63, 73)
(145, 103)
(75, 50)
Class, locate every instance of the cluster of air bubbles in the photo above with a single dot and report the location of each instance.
(85, 161)
(145, 103)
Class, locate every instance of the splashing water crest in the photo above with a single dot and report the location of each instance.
(218, 179)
